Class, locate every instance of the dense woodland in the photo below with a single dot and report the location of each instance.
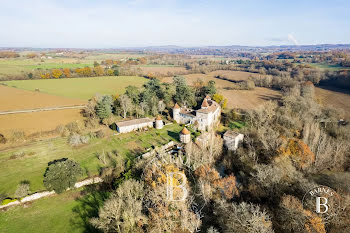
(258, 188)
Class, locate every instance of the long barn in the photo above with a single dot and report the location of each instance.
(135, 124)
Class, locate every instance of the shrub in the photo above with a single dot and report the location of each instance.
(61, 174)
(3, 140)
(18, 136)
(60, 129)
(17, 155)
(22, 189)
(100, 134)
(7, 200)
(76, 139)
(73, 127)
(2, 197)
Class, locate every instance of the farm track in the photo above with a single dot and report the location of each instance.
(42, 109)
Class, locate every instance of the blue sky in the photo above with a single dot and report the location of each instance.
(117, 23)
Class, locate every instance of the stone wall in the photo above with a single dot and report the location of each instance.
(36, 196)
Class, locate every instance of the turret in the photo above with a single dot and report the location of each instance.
(185, 135)
(176, 113)
(159, 122)
(205, 104)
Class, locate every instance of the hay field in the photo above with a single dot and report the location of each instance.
(334, 98)
(35, 122)
(80, 88)
(244, 99)
(17, 99)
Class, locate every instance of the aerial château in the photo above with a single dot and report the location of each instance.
(203, 118)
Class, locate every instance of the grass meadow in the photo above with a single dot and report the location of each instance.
(327, 66)
(79, 88)
(16, 66)
(50, 214)
(34, 157)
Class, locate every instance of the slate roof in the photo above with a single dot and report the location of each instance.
(133, 122)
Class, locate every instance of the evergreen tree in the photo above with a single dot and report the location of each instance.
(184, 94)
(104, 107)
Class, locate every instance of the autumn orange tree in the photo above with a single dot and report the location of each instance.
(45, 75)
(212, 186)
(298, 151)
(66, 72)
(297, 219)
(56, 73)
(87, 71)
(98, 70)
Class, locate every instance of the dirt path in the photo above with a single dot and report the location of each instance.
(42, 109)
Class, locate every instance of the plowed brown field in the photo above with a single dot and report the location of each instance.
(37, 121)
(17, 99)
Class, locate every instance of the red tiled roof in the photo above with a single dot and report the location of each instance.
(176, 105)
(158, 118)
(205, 103)
(185, 131)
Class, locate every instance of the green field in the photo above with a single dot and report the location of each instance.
(32, 165)
(327, 66)
(51, 214)
(67, 212)
(80, 88)
(58, 65)
(113, 56)
(17, 66)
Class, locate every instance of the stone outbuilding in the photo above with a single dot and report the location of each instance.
(159, 122)
(185, 135)
(232, 139)
(132, 125)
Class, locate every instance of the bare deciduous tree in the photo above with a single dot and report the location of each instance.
(125, 104)
(122, 213)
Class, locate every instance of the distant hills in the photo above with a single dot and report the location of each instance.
(203, 50)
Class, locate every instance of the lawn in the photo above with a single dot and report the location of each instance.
(34, 157)
(66, 212)
(80, 88)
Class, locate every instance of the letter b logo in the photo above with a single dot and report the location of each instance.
(171, 186)
(321, 201)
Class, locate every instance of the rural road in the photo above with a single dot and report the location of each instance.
(42, 109)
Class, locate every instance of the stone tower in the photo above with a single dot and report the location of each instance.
(159, 122)
(176, 113)
(185, 136)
